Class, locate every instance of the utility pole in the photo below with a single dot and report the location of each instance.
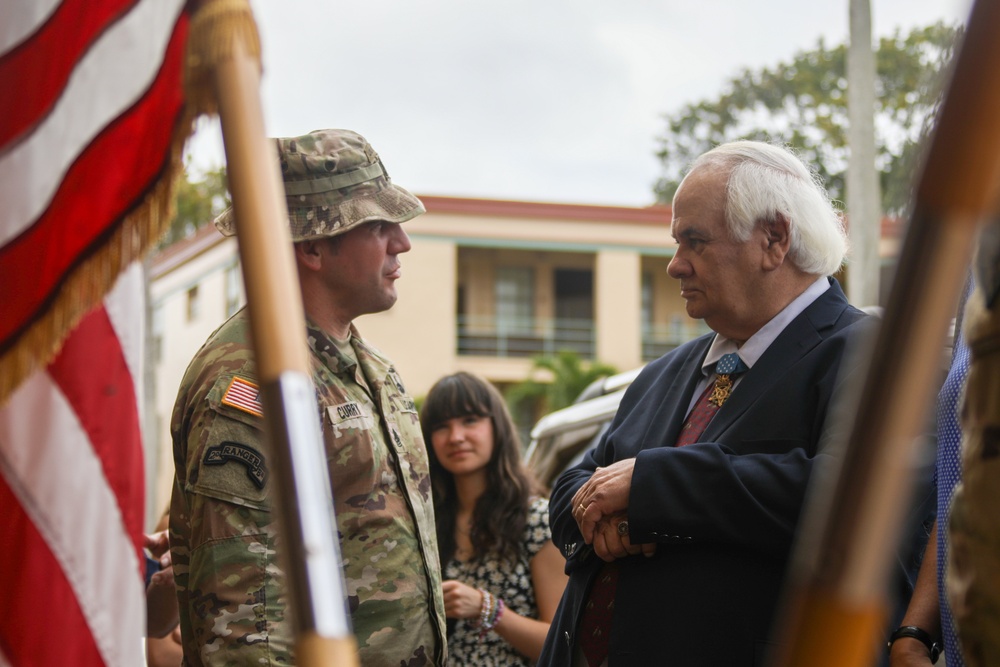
(864, 213)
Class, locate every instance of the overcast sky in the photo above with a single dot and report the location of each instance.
(544, 100)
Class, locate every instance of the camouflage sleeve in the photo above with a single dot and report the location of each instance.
(229, 584)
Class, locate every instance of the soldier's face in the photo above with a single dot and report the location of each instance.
(366, 266)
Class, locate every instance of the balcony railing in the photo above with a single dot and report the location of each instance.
(488, 336)
(659, 339)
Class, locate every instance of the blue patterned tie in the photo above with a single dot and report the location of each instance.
(729, 365)
(711, 400)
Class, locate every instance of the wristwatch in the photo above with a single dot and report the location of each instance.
(921, 636)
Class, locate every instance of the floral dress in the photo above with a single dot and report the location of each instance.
(513, 584)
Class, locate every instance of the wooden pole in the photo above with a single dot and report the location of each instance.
(301, 487)
(835, 604)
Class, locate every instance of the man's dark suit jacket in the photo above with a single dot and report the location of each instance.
(722, 511)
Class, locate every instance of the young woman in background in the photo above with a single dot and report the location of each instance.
(503, 576)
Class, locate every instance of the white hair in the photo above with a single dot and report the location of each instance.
(767, 181)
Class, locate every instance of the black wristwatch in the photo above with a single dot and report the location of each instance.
(921, 636)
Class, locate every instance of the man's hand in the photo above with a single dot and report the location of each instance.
(158, 545)
(612, 540)
(604, 494)
(161, 596)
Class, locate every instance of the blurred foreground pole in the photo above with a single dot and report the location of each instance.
(224, 45)
(835, 609)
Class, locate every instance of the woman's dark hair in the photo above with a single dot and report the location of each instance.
(500, 514)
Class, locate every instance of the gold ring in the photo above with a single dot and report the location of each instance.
(582, 508)
(623, 528)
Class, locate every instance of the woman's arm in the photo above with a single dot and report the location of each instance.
(527, 635)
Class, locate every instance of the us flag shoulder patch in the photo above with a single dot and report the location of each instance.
(243, 395)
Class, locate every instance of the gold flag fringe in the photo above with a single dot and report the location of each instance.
(217, 28)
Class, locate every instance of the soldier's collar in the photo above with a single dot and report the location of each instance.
(324, 346)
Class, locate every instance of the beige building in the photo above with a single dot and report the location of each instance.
(487, 285)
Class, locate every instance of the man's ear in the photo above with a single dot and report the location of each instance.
(308, 253)
(776, 233)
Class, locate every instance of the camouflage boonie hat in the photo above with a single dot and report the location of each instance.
(334, 181)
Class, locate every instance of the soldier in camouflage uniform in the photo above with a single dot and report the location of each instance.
(344, 214)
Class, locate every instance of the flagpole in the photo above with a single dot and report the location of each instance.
(835, 608)
(301, 492)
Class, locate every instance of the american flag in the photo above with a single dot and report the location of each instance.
(91, 129)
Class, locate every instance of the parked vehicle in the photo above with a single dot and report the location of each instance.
(561, 438)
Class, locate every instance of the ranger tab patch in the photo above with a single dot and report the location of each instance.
(234, 451)
(243, 395)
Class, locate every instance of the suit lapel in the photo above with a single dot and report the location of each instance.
(796, 340)
(673, 406)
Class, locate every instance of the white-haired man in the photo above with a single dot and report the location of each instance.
(677, 528)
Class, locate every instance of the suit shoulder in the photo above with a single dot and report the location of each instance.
(854, 322)
(832, 313)
(852, 314)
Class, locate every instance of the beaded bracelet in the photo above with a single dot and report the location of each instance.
(489, 613)
(484, 611)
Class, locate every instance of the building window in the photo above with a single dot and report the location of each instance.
(193, 304)
(647, 301)
(234, 296)
(573, 328)
(676, 333)
(515, 299)
(657, 338)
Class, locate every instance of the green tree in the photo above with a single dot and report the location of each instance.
(570, 376)
(803, 103)
(197, 203)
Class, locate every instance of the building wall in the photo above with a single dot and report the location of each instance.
(179, 336)
(617, 303)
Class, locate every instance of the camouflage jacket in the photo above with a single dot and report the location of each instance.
(223, 535)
